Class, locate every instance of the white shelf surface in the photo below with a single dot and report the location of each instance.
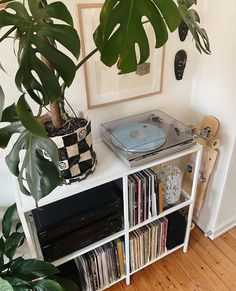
(109, 167)
(88, 248)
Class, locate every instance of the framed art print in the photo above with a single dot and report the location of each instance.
(103, 84)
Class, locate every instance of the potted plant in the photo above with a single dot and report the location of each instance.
(17, 273)
(45, 71)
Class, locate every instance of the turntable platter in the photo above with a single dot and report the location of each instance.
(138, 137)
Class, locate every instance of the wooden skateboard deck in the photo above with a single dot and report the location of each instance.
(206, 136)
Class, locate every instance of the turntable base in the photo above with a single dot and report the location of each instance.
(145, 137)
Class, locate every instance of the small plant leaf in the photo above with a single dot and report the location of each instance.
(12, 243)
(9, 114)
(17, 283)
(27, 118)
(66, 283)
(7, 132)
(47, 284)
(7, 220)
(18, 226)
(33, 268)
(192, 20)
(5, 286)
(40, 174)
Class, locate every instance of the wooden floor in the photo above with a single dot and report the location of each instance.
(208, 265)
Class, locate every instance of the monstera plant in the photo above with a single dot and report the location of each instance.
(43, 39)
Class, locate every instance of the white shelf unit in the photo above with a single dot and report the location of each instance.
(109, 168)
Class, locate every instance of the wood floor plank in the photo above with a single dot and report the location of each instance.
(199, 272)
(215, 259)
(233, 232)
(166, 277)
(208, 265)
(227, 245)
(172, 266)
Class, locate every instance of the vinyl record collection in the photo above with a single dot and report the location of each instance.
(102, 266)
(145, 193)
(147, 243)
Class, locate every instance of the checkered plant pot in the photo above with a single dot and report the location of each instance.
(77, 159)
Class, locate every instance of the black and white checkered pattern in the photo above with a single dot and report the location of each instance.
(76, 156)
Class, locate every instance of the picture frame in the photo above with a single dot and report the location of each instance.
(103, 84)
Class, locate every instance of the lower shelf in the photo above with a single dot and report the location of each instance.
(113, 283)
(98, 269)
(87, 249)
(158, 258)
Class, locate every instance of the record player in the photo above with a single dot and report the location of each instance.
(144, 137)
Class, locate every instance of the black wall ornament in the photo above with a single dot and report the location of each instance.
(183, 31)
(180, 63)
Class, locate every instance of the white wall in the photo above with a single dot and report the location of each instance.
(214, 93)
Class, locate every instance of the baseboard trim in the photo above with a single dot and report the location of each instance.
(214, 232)
(206, 228)
(223, 227)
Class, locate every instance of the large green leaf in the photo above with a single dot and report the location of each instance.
(35, 32)
(12, 243)
(9, 115)
(47, 284)
(33, 268)
(2, 99)
(27, 118)
(8, 220)
(40, 174)
(5, 286)
(121, 29)
(192, 19)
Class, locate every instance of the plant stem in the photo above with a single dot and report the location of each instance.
(57, 121)
(7, 33)
(86, 58)
(72, 110)
(63, 86)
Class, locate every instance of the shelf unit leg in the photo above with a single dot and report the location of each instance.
(126, 227)
(28, 235)
(193, 195)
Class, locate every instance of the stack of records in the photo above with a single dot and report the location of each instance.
(145, 192)
(102, 266)
(147, 243)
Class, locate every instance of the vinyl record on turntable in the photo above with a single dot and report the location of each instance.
(138, 137)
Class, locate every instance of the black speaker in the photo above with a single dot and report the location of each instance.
(176, 230)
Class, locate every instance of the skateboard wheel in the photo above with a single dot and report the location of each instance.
(213, 142)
